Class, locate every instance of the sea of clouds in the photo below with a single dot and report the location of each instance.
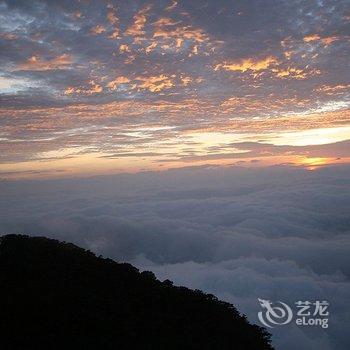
(279, 233)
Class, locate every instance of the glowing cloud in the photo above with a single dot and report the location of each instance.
(248, 64)
(140, 19)
(333, 90)
(114, 21)
(98, 29)
(324, 40)
(36, 63)
(295, 73)
(118, 81)
(92, 88)
(155, 83)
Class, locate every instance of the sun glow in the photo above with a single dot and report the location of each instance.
(313, 136)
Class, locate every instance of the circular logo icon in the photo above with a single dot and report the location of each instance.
(274, 314)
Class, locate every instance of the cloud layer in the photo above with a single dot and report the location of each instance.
(278, 233)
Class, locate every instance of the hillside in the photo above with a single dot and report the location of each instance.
(56, 296)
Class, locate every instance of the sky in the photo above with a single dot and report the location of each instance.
(105, 87)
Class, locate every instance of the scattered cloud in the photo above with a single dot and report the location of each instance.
(92, 77)
(98, 29)
(118, 81)
(36, 63)
(136, 29)
(248, 64)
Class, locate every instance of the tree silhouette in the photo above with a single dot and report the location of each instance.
(56, 296)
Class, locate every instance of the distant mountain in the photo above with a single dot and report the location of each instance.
(57, 296)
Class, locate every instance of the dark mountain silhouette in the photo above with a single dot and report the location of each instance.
(58, 296)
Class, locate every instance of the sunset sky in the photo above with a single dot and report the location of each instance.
(205, 140)
(103, 87)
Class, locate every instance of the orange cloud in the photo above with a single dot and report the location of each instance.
(167, 34)
(248, 64)
(130, 59)
(151, 47)
(186, 80)
(77, 15)
(171, 6)
(333, 90)
(114, 21)
(155, 83)
(112, 16)
(195, 50)
(93, 88)
(165, 21)
(115, 34)
(164, 28)
(98, 29)
(312, 37)
(140, 19)
(329, 40)
(291, 72)
(118, 81)
(325, 40)
(182, 33)
(38, 64)
(271, 63)
(124, 48)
